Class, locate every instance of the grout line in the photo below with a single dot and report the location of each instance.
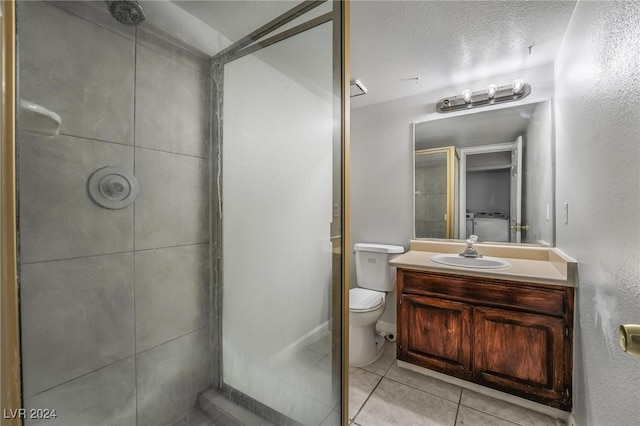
(172, 340)
(496, 416)
(113, 253)
(132, 145)
(493, 415)
(75, 258)
(392, 362)
(133, 211)
(421, 390)
(80, 376)
(368, 397)
(69, 135)
(455, 420)
(176, 246)
(458, 409)
(171, 152)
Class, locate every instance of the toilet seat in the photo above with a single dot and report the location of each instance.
(363, 300)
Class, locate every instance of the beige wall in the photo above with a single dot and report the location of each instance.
(382, 163)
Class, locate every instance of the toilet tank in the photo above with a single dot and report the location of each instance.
(372, 266)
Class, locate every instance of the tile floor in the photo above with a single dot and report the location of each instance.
(383, 394)
(195, 417)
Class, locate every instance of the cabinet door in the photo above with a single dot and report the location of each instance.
(435, 334)
(522, 353)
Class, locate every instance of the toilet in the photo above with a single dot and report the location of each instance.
(374, 279)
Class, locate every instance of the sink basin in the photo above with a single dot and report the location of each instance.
(470, 262)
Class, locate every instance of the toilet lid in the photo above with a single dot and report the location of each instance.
(361, 299)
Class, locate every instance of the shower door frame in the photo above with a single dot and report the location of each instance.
(340, 16)
(10, 338)
(10, 397)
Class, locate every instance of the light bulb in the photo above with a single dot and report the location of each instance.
(466, 95)
(491, 90)
(517, 86)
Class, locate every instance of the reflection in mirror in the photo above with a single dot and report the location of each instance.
(434, 204)
(496, 180)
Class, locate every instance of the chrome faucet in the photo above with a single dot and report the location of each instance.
(471, 251)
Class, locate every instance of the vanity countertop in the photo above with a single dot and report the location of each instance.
(544, 265)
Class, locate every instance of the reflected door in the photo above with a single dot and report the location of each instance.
(515, 217)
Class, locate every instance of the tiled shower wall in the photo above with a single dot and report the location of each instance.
(114, 303)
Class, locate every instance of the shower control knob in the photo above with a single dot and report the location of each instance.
(116, 187)
(113, 187)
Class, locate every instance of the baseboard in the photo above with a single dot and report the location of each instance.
(525, 403)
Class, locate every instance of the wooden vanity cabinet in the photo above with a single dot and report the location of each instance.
(516, 337)
(437, 335)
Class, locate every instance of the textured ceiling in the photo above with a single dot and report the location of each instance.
(401, 48)
(446, 43)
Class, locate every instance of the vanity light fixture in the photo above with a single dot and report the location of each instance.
(491, 91)
(466, 95)
(491, 96)
(517, 86)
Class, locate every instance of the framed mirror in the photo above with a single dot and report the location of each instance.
(487, 173)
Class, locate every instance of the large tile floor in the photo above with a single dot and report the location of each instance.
(383, 394)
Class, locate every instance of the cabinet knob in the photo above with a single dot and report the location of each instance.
(629, 336)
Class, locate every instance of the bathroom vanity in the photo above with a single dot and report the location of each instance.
(508, 329)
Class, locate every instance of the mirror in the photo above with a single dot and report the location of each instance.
(488, 173)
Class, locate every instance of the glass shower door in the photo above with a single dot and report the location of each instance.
(280, 221)
(434, 193)
(159, 262)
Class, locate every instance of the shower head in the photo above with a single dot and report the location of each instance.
(126, 11)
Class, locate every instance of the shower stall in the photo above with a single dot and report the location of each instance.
(180, 179)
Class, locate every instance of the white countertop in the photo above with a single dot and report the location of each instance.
(542, 265)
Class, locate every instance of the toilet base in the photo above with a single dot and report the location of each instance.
(365, 348)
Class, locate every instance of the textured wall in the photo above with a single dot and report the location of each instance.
(598, 155)
(113, 302)
(382, 162)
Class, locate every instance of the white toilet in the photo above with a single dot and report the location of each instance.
(374, 278)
